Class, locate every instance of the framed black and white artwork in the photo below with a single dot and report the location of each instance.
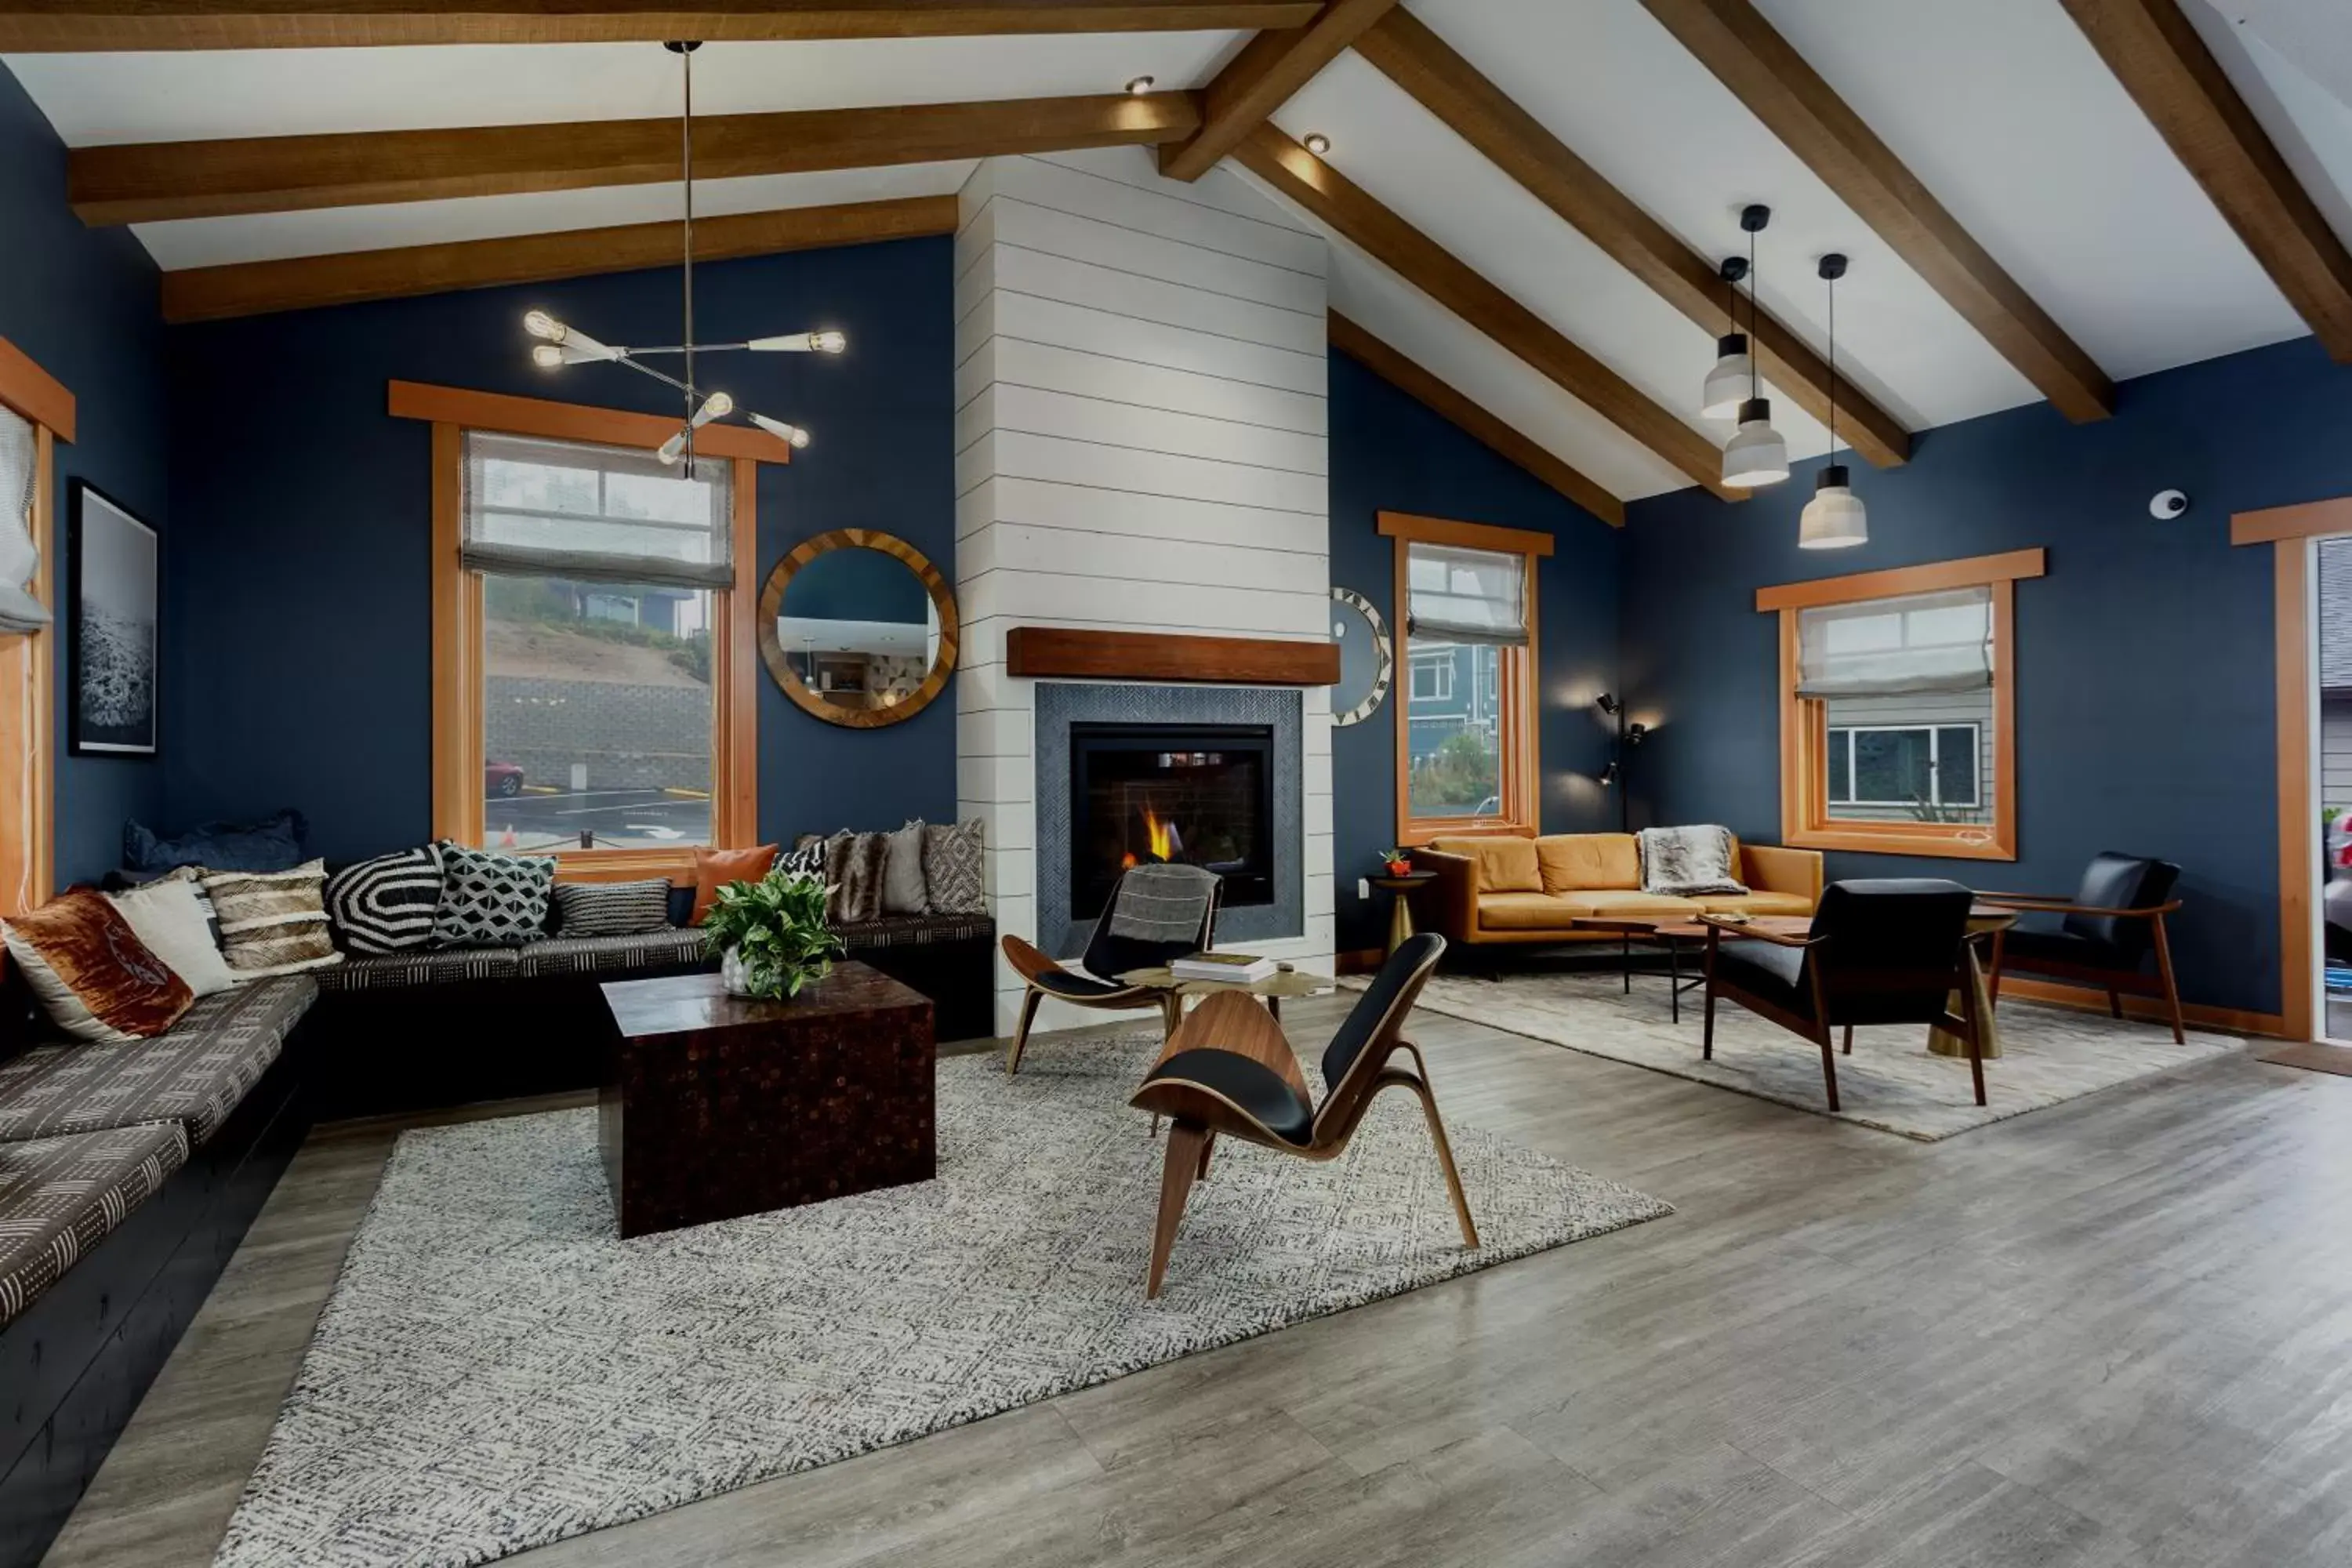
(116, 575)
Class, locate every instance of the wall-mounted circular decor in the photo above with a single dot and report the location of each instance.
(858, 627)
(1367, 661)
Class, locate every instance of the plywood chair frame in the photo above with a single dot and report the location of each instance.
(1037, 971)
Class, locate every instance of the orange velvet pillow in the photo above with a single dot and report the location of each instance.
(714, 868)
(92, 973)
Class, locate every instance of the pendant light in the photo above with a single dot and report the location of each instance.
(1728, 382)
(1756, 456)
(1836, 518)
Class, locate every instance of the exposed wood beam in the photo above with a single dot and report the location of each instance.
(1402, 46)
(1415, 381)
(252, 287)
(1437, 272)
(1732, 39)
(31, 26)
(1261, 79)
(2157, 55)
(156, 181)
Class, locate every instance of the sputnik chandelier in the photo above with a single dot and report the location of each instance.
(562, 346)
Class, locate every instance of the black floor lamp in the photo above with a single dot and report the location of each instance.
(1613, 775)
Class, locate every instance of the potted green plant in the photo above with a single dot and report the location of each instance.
(1398, 861)
(770, 936)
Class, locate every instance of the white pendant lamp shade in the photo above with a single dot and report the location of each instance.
(1756, 455)
(1836, 518)
(1731, 379)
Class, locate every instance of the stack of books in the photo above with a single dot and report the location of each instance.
(1232, 968)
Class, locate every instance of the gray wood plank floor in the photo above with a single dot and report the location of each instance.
(2117, 1333)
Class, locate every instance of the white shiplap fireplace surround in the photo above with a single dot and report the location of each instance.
(1141, 445)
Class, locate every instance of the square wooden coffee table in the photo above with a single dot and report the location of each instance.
(714, 1106)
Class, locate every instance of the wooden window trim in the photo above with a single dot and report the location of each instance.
(1522, 800)
(28, 723)
(458, 621)
(1805, 821)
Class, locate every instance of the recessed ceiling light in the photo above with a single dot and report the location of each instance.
(1139, 85)
(1318, 143)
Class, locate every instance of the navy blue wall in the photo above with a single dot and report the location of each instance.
(1391, 453)
(2144, 659)
(82, 302)
(301, 626)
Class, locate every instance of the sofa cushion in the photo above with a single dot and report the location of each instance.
(434, 967)
(1755, 903)
(1768, 970)
(917, 930)
(614, 954)
(1573, 861)
(1506, 862)
(195, 1074)
(59, 1197)
(1523, 912)
(1628, 902)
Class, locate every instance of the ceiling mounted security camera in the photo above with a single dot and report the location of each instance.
(2165, 505)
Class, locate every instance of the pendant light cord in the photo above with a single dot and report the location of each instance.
(1753, 373)
(687, 166)
(1833, 370)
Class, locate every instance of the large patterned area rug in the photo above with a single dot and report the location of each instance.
(1891, 1082)
(497, 1369)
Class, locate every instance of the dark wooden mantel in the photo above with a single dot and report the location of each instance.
(1164, 656)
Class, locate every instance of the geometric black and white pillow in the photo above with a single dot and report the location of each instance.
(491, 900)
(386, 904)
(614, 908)
(805, 858)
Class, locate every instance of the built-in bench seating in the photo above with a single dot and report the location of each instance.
(128, 1173)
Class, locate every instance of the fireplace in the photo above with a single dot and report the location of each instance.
(1196, 795)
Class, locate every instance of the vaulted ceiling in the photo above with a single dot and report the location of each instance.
(1527, 198)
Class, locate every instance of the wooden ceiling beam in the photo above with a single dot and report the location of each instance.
(1416, 381)
(163, 180)
(79, 25)
(1403, 48)
(1732, 39)
(2156, 53)
(302, 282)
(1437, 272)
(1262, 77)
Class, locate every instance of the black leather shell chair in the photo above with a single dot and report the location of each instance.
(1878, 951)
(1228, 1070)
(2108, 928)
(1146, 901)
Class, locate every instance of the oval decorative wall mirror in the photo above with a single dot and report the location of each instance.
(858, 627)
(1367, 661)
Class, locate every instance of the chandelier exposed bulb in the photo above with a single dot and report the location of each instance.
(790, 434)
(718, 405)
(540, 325)
(547, 356)
(826, 342)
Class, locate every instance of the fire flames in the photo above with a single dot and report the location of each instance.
(1160, 837)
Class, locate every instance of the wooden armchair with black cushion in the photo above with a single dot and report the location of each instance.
(1155, 915)
(1228, 1070)
(1877, 952)
(2109, 927)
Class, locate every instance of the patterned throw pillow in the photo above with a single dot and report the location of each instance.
(614, 908)
(93, 976)
(951, 868)
(491, 900)
(387, 904)
(273, 923)
(805, 858)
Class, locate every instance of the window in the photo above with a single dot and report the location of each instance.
(1898, 696)
(1433, 677)
(35, 413)
(593, 694)
(1465, 730)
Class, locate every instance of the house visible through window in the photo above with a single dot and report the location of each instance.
(1905, 769)
(599, 567)
(1432, 676)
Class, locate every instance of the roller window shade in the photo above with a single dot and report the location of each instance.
(596, 514)
(20, 555)
(1467, 595)
(1880, 647)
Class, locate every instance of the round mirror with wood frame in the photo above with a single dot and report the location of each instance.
(858, 627)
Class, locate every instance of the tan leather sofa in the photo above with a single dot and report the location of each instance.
(1507, 889)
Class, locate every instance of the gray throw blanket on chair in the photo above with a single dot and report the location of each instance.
(1163, 904)
(1687, 862)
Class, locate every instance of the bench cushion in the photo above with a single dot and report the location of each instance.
(434, 967)
(612, 954)
(195, 1073)
(58, 1197)
(914, 930)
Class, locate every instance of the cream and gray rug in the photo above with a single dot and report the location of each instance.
(1890, 1083)
(496, 1370)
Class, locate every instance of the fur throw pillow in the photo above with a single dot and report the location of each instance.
(854, 864)
(1687, 862)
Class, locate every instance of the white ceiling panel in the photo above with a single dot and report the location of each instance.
(2306, 122)
(2316, 35)
(96, 100)
(270, 237)
(1411, 162)
(1606, 79)
(2006, 112)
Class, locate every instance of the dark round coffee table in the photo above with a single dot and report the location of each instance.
(1674, 933)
